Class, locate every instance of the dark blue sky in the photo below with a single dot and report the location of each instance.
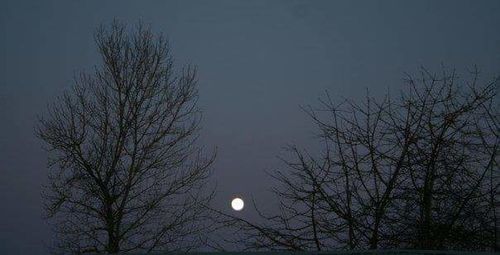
(258, 61)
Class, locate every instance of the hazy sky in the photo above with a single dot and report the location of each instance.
(258, 61)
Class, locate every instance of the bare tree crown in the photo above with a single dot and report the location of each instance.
(125, 171)
(418, 171)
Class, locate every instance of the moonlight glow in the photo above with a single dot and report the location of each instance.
(237, 204)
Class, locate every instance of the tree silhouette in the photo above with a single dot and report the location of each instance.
(125, 171)
(419, 171)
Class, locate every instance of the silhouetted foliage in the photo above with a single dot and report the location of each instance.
(125, 171)
(419, 172)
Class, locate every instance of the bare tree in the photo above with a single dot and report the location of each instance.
(417, 172)
(125, 171)
(451, 166)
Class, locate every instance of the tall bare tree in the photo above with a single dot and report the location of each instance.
(125, 171)
(452, 167)
(419, 171)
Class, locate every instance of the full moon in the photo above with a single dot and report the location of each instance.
(237, 204)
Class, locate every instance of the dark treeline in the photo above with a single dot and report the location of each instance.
(419, 171)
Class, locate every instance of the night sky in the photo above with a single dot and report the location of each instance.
(258, 62)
